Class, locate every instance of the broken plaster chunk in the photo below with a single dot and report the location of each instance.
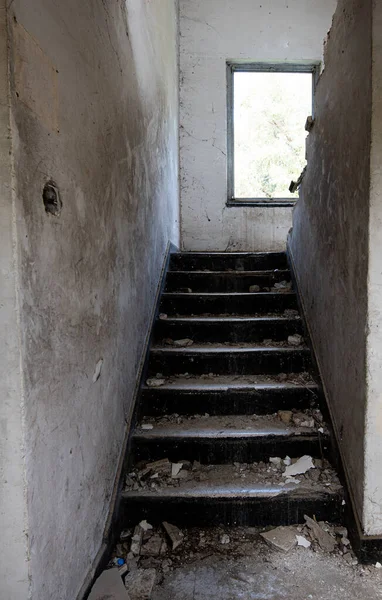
(183, 343)
(109, 585)
(285, 416)
(324, 539)
(295, 340)
(136, 541)
(287, 461)
(163, 316)
(176, 469)
(175, 535)
(292, 480)
(140, 583)
(147, 426)
(275, 460)
(304, 464)
(302, 541)
(254, 288)
(153, 547)
(225, 539)
(283, 285)
(281, 538)
(145, 526)
(154, 382)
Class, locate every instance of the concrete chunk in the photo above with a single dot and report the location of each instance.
(109, 586)
(136, 540)
(325, 540)
(175, 535)
(281, 538)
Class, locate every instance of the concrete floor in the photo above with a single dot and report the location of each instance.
(248, 569)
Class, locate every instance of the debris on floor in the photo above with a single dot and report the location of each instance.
(281, 538)
(185, 343)
(295, 340)
(282, 286)
(300, 467)
(154, 382)
(175, 535)
(326, 541)
(109, 585)
(150, 554)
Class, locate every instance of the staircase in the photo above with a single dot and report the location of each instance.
(225, 393)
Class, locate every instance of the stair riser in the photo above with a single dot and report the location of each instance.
(225, 262)
(193, 304)
(244, 363)
(221, 282)
(261, 512)
(228, 402)
(224, 331)
(218, 451)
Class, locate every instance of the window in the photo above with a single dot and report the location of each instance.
(267, 109)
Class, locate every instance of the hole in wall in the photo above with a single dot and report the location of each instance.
(51, 198)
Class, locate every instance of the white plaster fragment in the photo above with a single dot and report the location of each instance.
(302, 541)
(145, 525)
(147, 426)
(304, 464)
(176, 469)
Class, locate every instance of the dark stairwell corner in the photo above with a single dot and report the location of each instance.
(232, 458)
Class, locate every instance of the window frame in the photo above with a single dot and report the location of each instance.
(233, 67)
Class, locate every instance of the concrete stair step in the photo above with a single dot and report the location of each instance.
(224, 281)
(223, 261)
(253, 304)
(227, 396)
(233, 438)
(229, 360)
(227, 329)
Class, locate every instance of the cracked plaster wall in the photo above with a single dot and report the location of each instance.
(94, 106)
(329, 244)
(212, 31)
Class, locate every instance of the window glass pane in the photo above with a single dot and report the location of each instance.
(270, 110)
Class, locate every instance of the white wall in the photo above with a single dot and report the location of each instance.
(373, 428)
(212, 31)
(94, 103)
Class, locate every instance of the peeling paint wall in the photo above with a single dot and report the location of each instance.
(373, 449)
(212, 31)
(329, 242)
(95, 108)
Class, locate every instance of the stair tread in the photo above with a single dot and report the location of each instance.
(232, 349)
(223, 426)
(254, 273)
(232, 490)
(232, 319)
(225, 383)
(226, 294)
(227, 254)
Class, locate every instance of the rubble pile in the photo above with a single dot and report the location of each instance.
(312, 472)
